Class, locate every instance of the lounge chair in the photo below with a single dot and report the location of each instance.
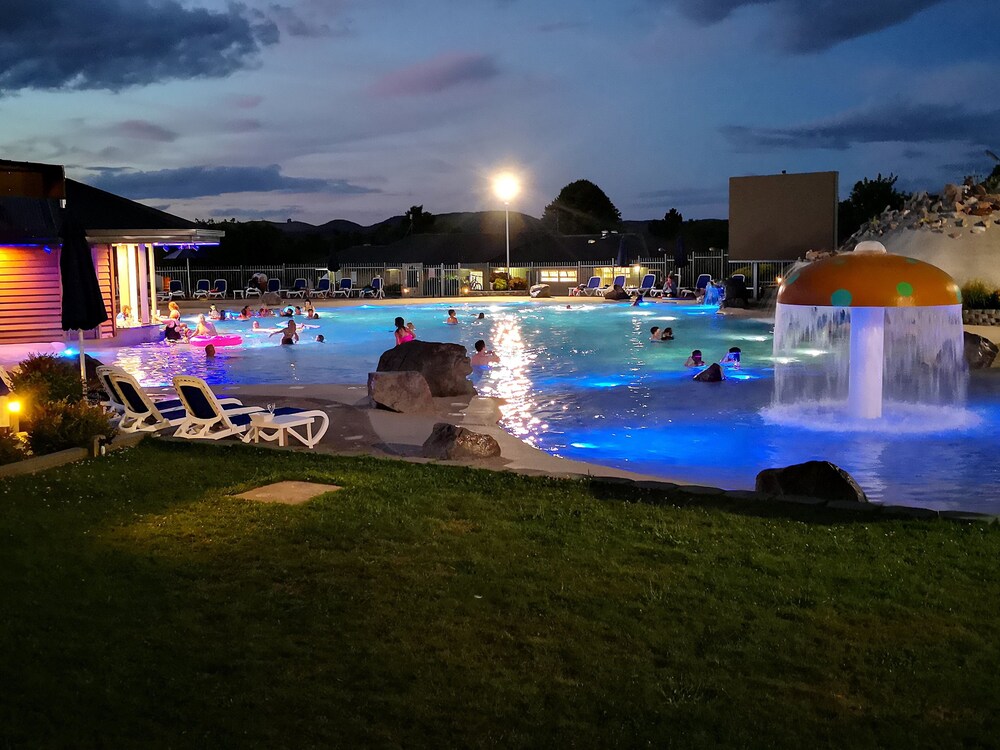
(618, 281)
(176, 289)
(252, 289)
(114, 402)
(699, 287)
(201, 289)
(646, 285)
(322, 288)
(274, 287)
(219, 289)
(208, 417)
(298, 289)
(141, 413)
(375, 290)
(345, 287)
(592, 286)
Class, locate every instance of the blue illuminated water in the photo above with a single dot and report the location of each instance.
(586, 383)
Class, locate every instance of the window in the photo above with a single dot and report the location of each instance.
(558, 275)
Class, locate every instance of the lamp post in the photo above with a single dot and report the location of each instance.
(506, 187)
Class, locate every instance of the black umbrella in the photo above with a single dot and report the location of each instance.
(680, 258)
(82, 300)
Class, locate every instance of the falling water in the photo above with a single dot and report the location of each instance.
(922, 367)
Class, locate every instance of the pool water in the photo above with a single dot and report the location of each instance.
(586, 383)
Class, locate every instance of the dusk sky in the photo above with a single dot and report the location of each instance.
(321, 109)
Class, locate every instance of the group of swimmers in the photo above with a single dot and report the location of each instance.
(177, 330)
(732, 358)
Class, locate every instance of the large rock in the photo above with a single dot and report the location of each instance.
(540, 290)
(451, 442)
(617, 294)
(405, 392)
(979, 351)
(813, 478)
(711, 374)
(271, 299)
(445, 367)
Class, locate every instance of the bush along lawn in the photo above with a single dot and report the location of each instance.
(432, 606)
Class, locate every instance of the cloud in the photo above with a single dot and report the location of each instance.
(197, 182)
(110, 44)
(294, 23)
(812, 25)
(677, 197)
(436, 75)
(143, 130)
(894, 122)
(246, 101)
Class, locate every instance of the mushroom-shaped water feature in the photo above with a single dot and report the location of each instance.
(857, 330)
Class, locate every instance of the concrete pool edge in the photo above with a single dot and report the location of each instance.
(480, 414)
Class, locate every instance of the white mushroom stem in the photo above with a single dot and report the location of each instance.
(864, 396)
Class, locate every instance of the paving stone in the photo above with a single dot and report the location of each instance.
(288, 493)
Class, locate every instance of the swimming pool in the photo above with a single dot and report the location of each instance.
(586, 383)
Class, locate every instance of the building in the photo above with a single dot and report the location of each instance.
(121, 233)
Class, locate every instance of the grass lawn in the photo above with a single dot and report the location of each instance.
(429, 606)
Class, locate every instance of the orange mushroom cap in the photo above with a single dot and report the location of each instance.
(869, 279)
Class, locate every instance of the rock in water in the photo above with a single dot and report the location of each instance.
(979, 351)
(445, 367)
(814, 479)
(404, 392)
(451, 442)
(711, 374)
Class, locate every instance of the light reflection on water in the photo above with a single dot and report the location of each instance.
(586, 383)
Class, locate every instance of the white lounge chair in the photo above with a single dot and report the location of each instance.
(322, 288)
(208, 417)
(219, 289)
(618, 281)
(114, 402)
(344, 288)
(201, 289)
(375, 290)
(592, 286)
(298, 289)
(646, 285)
(140, 413)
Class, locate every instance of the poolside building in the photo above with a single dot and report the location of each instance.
(122, 234)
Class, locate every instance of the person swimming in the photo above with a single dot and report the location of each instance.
(695, 359)
(732, 357)
(205, 327)
(482, 357)
(451, 320)
(403, 334)
(667, 334)
(320, 339)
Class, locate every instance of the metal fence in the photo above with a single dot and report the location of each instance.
(452, 280)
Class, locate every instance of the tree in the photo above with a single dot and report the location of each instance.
(868, 199)
(582, 208)
(420, 221)
(668, 226)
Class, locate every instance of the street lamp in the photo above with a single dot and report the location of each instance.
(506, 187)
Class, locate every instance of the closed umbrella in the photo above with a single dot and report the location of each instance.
(680, 258)
(82, 301)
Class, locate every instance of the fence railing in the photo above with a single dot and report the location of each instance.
(452, 280)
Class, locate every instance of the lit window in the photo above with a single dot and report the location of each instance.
(558, 275)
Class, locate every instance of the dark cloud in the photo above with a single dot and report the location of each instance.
(143, 130)
(813, 25)
(114, 44)
(903, 123)
(295, 23)
(435, 75)
(198, 182)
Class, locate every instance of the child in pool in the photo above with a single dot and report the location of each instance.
(452, 320)
(482, 357)
(695, 359)
(732, 358)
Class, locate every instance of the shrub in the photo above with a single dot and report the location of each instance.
(57, 425)
(11, 448)
(499, 285)
(976, 295)
(44, 377)
(518, 283)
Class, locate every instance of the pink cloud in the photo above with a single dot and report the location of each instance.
(245, 102)
(435, 75)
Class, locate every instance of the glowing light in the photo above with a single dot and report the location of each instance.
(14, 406)
(779, 279)
(506, 186)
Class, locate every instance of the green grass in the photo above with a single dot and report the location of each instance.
(428, 606)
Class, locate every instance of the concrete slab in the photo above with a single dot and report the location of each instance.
(288, 493)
